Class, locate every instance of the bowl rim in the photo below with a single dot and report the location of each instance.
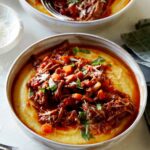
(11, 44)
(97, 21)
(130, 128)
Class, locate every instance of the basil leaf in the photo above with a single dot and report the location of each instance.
(98, 61)
(77, 49)
(99, 106)
(78, 82)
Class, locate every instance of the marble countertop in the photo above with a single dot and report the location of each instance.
(10, 133)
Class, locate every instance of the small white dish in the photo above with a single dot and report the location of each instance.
(10, 28)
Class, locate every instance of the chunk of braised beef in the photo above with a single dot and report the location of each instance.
(58, 93)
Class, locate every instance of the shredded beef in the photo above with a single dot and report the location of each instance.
(83, 10)
(63, 88)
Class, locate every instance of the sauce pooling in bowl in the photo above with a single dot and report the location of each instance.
(76, 91)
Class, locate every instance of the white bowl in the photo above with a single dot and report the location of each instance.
(71, 26)
(80, 38)
(10, 28)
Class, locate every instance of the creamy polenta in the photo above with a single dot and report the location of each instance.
(120, 75)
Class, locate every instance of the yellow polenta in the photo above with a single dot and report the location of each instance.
(121, 75)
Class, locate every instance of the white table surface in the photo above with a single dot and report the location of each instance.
(10, 133)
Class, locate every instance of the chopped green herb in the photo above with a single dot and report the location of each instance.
(82, 116)
(84, 71)
(77, 49)
(43, 90)
(52, 88)
(86, 51)
(99, 106)
(78, 82)
(98, 61)
(72, 65)
(85, 132)
(52, 85)
(73, 1)
(31, 92)
(110, 65)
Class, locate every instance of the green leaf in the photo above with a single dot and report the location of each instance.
(99, 106)
(43, 90)
(110, 65)
(73, 1)
(31, 92)
(52, 85)
(85, 132)
(72, 65)
(78, 82)
(86, 51)
(82, 117)
(77, 49)
(98, 61)
(84, 71)
(52, 88)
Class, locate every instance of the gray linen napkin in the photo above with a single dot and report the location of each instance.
(137, 43)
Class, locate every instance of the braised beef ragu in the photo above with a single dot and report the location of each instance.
(83, 10)
(69, 91)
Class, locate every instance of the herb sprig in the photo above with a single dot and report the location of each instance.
(77, 49)
(85, 132)
(31, 92)
(78, 82)
(98, 61)
(73, 1)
